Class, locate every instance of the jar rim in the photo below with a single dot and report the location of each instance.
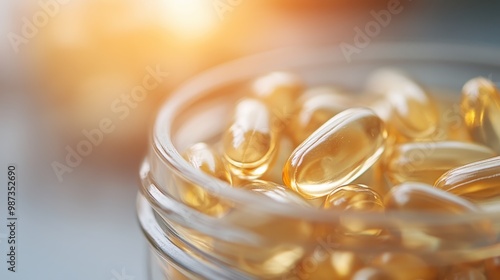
(248, 67)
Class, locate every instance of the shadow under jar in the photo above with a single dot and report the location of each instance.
(257, 238)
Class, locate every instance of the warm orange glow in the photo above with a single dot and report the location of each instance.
(190, 18)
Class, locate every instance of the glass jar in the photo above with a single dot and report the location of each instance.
(257, 238)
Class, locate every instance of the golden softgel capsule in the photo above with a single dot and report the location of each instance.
(326, 264)
(426, 161)
(355, 198)
(276, 192)
(250, 143)
(280, 246)
(372, 273)
(314, 108)
(477, 181)
(279, 90)
(408, 109)
(203, 157)
(422, 198)
(336, 153)
(413, 196)
(481, 111)
(404, 266)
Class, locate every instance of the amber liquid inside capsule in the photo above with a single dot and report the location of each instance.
(481, 111)
(278, 90)
(250, 142)
(404, 266)
(477, 181)
(408, 109)
(283, 239)
(275, 171)
(426, 161)
(372, 273)
(315, 108)
(326, 264)
(353, 163)
(205, 158)
(418, 197)
(355, 198)
(336, 154)
(276, 192)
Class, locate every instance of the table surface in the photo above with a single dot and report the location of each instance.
(85, 227)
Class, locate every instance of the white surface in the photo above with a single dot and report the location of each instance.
(82, 228)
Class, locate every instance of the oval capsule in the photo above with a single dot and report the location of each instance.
(404, 266)
(372, 273)
(355, 198)
(477, 181)
(426, 161)
(405, 106)
(314, 108)
(276, 192)
(413, 196)
(275, 251)
(481, 111)
(279, 90)
(274, 172)
(336, 154)
(416, 197)
(452, 126)
(250, 143)
(326, 264)
(203, 157)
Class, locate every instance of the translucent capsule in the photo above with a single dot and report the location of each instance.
(250, 143)
(481, 111)
(459, 133)
(404, 105)
(203, 157)
(275, 171)
(325, 264)
(418, 197)
(426, 161)
(279, 90)
(355, 198)
(276, 192)
(345, 264)
(404, 266)
(336, 154)
(465, 273)
(313, 109)
(275, 243)
(376, 177)
(477, 181)
(413, 196)
(372, 273)
(452, 126)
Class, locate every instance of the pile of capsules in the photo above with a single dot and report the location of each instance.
(392, 147)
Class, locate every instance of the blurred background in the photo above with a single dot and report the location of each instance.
(67, 65)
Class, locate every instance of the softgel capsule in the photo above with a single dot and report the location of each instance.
(383, 151)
